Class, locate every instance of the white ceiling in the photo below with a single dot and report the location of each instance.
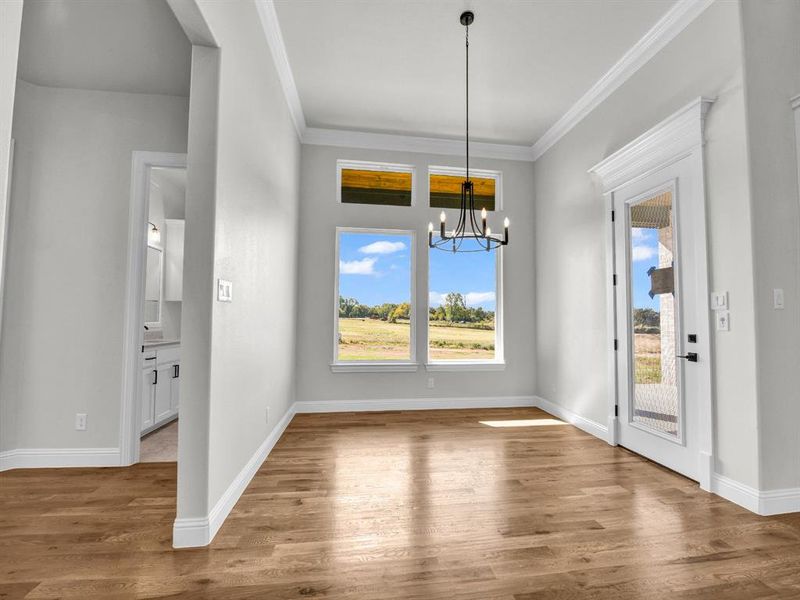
(398, 67)
(117, 46)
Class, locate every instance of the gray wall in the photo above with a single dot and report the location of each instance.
(61, 347)
(771, 35)
(320, 214)
(572, 343)
(253, 213)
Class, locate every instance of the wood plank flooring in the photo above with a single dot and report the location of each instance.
(424, 505)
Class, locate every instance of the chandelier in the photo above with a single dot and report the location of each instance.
(480, 232)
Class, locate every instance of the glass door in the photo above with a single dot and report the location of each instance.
(656, 324)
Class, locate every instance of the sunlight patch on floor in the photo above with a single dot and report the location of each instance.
(523, 423)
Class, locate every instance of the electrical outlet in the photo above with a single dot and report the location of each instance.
(431, 383)
(266, 415)
(80, 421)
(723, 320)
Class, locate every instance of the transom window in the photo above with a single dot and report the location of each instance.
(444, 187)
(383, 184)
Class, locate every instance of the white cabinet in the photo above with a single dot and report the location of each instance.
(162, 402)
(160, 386)
(173, 260)
(175, 383)
(148, 394)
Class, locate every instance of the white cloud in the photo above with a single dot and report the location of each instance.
(643, 252)
(470, 298)
(365, 266)
(436, 299)
(382, 247)
(476, 298)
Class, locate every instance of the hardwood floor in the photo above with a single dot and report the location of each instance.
(426, 505)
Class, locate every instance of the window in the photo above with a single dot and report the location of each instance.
(374, 301)
(464, 307)
(444, 187)
(382, 184)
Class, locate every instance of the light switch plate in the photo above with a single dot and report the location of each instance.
(224, 290)
(719, 300)
(80, 421)
(723, 320)
(777, 299)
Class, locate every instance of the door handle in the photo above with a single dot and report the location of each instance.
(690, 356)
(155, 377)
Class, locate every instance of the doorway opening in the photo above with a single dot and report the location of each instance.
(152, 372)
(163, 297)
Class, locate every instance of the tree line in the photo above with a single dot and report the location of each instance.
(646, 320)
(454, 309)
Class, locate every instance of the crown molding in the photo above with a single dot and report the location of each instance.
(664, 31)
(676, 136)
(272, 31)
(406, 143)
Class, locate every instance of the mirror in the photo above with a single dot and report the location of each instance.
(152, 288)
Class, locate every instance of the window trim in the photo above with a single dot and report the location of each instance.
(498, 362)
(461, 172)
(366, 165)
(402, 365)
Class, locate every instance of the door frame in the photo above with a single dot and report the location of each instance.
(133, 335)
(678, 137)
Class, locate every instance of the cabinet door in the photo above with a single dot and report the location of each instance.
(175, 396)
(163, 390)
(148, 395)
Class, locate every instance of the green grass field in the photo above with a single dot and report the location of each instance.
(648, 358)
(370, 339)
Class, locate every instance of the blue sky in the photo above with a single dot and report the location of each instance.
(472, 274)
(376, 268)
(644, 254)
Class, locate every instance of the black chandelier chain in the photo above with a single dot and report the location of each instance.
(481, 233)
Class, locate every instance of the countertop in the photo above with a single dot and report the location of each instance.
(159, 343)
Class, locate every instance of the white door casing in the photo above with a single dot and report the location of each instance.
(668, 156)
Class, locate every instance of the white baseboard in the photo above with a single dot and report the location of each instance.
(50, 458)
(195, 532)
(307, 406)
(587, 425)
(738, 493)
(767, 502)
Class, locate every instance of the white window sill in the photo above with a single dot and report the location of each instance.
(374, 367)
(466, 365)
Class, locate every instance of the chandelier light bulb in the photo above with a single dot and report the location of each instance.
(442, 217)
(506, 223)
(430, 227)
(488, 231)
(483, 213)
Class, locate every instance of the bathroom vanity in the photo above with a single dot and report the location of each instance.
(161, 383)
